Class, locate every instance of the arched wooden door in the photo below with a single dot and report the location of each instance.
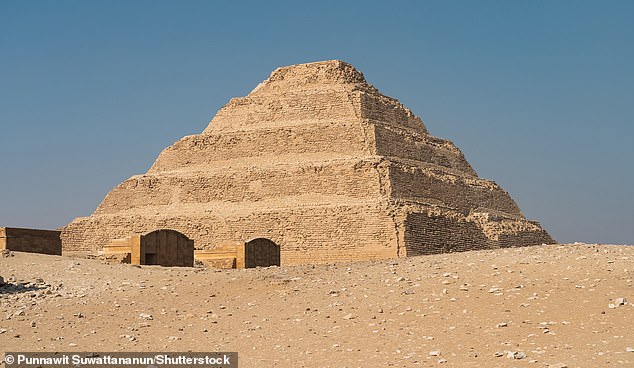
(165, 248)
(261, 252)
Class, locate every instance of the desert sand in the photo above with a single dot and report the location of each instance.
(540, 306)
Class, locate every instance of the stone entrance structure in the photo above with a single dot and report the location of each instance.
(159, 247)
(325, 166)
(261, 252)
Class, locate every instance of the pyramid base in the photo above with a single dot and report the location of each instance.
(322, 233)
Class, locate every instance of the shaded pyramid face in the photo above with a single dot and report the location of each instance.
(320, 162)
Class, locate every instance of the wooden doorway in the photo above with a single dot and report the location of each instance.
(163, 247)
(261, 252)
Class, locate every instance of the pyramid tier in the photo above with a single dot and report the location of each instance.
(330, 90)
(325, 233)
(298, 142)
(354, 178)
(291, 142)
(345, 178)
(400, 143)
(258, 111)
(435, 185)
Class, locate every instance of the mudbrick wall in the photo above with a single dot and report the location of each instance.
(31, 240)
(320, 162)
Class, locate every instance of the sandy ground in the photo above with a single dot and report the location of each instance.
(549, 306)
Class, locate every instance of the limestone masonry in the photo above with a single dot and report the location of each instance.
(321, 163)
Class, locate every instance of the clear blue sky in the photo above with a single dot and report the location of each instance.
(538, 94)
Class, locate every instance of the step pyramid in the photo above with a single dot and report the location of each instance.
(320, 162)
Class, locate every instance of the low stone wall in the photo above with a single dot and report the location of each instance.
(223, 256)
(31, 240)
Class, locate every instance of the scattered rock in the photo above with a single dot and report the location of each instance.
(629, 349)
(146, 316)
(434, 353)
(349, 316)
(617, 303)
(501, 324)
(516, 355)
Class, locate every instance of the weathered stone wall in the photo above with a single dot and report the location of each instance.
(439, 187)
(352, 179)
(305, 234)
(31, 240)
(407, 144)
(318, 139)
(257, 111)
(429, 233)
(222, 256)
(376, 107)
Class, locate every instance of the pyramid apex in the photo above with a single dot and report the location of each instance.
(313, 75)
